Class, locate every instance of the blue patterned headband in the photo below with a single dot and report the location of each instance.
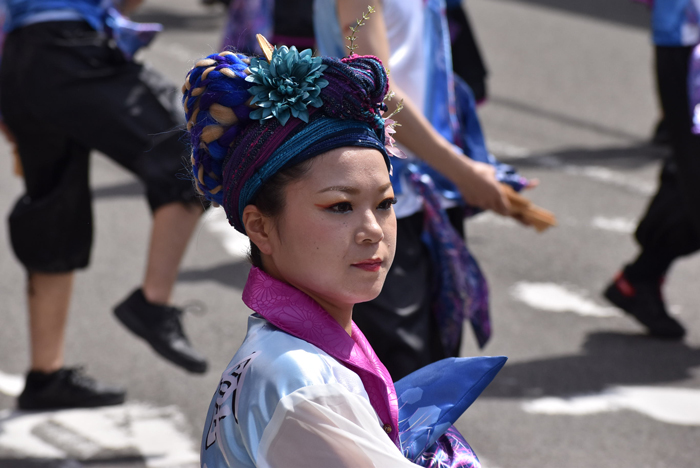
(319, 136)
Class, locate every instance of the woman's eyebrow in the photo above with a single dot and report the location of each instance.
(341, 188)
(351, 190)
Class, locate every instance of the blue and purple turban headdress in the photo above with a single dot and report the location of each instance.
(249, 118)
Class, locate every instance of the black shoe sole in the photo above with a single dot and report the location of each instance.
(39, 405)
(619, 300)
(126, 317)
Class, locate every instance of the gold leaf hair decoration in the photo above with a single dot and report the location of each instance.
(353, 29)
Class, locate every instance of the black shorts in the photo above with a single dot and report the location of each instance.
(65, 89)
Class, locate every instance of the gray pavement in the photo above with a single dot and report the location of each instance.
(571, 104)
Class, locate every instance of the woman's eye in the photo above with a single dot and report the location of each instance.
(342, 207)
(386, 204)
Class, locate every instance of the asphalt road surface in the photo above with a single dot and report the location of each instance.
(572, 104)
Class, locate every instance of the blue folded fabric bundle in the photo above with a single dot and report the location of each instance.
(432, 398)
(129, 36)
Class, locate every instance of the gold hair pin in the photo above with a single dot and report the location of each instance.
(265, 46)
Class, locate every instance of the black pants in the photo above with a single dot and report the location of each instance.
(467, 61)
(671, 226)
(65, 89)
(399, 323)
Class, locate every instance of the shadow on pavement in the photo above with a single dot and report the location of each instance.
(232, 275)
(616, 11)
(127, 189)
(627, 157)
(608, 359)
(563, 118)
(211, 20)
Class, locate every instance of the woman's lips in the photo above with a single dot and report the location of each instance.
(373, 264)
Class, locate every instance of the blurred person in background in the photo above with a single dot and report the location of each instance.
(670, 229)
(291, 23)
(287, 22)
(68, 85)
(467, 61)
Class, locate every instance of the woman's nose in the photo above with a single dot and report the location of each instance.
(370, 232)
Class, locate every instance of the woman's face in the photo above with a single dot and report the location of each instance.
(336, 237)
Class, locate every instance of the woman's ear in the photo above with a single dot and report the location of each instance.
(258, 228)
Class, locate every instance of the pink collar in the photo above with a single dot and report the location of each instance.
(291, 310)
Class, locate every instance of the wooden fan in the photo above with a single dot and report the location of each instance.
(539, 218)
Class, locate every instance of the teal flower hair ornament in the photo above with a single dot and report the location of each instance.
(286, 85)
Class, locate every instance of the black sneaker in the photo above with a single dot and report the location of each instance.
(66, 388)
(160, 326)
(643, 301)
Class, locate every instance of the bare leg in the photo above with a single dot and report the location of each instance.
(146, 312)
(48, 297)
(49, 385)
(173, 225)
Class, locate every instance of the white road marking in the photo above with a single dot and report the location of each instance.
(489, 217)
(11, 385)
(552, 297)
(235, 243)
(75, 445)
(618, 225)
(503, 149)
(609, 176)
(16, 435)
(667, 404)
(485, 463)
(134, 429)
(621, 225)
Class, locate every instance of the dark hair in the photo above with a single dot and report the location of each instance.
(270, 199)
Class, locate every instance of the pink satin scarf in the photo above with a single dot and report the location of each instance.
(296, 313)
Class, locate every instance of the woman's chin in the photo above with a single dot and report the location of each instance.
(368, 294)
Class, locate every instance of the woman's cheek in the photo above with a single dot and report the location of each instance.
(330, 226)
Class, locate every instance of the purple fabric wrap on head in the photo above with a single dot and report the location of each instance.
(234, 155)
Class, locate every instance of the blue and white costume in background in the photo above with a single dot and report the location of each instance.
(676, 22)
(101, 15)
